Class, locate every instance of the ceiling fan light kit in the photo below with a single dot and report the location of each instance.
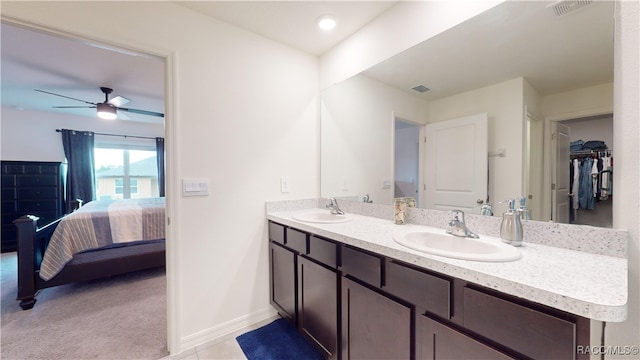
(109, 108)
(106, 111)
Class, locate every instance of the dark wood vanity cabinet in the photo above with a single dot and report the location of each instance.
(356, 304)
(283, 281)
(319, 294)
(440, 341)
(374, 325)
(305, 285)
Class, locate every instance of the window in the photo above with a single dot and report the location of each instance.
(125, 173)
(119, 186)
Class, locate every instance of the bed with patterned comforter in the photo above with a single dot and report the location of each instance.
(102, 238)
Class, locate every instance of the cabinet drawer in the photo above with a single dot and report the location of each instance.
(9, 206)
(276, 232)
(440, 341)
(37, 180)
(12, 169)
(32, 169)
(8, 180)
(361, 265)
(425, 290)
(25, 206)
(530, 332)
(38, 193)
(50, 169)
(296, 240)
(323, 250)
(8, 193)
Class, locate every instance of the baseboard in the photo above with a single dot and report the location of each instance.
(226, 330)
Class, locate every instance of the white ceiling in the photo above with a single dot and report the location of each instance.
(515, 39)
(485, 50)
(70, 67)
(294, 22)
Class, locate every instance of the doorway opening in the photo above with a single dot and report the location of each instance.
(588, 170)
(131, 185)
(406, 159)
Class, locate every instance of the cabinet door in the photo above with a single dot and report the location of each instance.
(530, 332)
(283, 281)
(442, 342)
(374, 326)
(318, 305)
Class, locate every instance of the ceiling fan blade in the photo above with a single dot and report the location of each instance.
(118, 101)
(143, 112)
(74, 107)
(123, 116)
(68, 97)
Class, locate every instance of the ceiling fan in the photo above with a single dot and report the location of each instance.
(107, 109)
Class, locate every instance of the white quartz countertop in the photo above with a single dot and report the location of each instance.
(589, 285)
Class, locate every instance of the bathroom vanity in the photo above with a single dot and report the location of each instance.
(354, 294)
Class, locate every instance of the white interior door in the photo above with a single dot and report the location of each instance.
(456, 163)
(560, 181)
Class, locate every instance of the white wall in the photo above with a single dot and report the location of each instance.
(588, 101)
(626, 207)
(593, 129)
(31, 135)
(357, 136)
(503, 104)
(242, 111)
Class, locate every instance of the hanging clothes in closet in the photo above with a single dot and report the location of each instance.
(591, 173)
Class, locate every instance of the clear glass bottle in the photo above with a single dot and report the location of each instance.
(399, 211)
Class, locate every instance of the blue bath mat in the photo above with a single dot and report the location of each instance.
(278, 340)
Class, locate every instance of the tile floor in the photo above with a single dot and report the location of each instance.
(226, 348)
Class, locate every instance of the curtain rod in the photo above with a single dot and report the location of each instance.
(124, 136)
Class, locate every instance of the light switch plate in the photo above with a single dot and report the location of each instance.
(195, 187)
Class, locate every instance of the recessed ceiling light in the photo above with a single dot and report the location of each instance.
(326, 22)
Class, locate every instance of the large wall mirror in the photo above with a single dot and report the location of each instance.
(529, 69)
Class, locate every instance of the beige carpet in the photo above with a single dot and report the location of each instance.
(123, 317)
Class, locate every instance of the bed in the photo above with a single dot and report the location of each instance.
(100, 239)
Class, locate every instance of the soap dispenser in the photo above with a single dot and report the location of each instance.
(525, 214)
(511, 226)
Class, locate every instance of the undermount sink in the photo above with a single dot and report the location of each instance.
(434, 242)
(324, 217)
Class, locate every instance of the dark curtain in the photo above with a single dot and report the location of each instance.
(78, 149)
(160, 160)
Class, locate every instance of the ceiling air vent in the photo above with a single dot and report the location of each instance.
(420, 88)
(564, 7)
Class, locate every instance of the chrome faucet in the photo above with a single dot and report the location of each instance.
(333, 205)
(459, 227)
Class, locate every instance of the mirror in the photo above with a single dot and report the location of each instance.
(519, 62)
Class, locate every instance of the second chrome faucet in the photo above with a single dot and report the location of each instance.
(458, 227)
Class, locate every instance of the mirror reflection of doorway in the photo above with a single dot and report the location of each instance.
(591, 170)
(406, 159)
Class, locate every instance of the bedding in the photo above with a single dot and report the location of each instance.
(103, 223)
